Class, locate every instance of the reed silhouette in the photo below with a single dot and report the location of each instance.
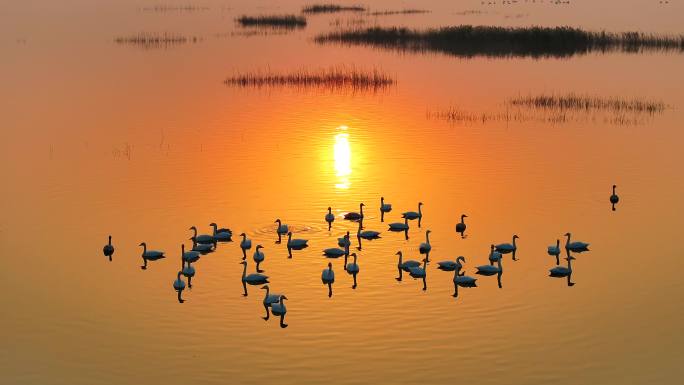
(273, 21)
(331, 8)
(333, 78)
(407, 11)
(156, 40)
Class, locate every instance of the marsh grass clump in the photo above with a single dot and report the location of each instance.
(398, 12)
(469, 41)
(332, 8)
(331, 78)
(585, 102)
(175, 8)
(274, 21)
(156, 40)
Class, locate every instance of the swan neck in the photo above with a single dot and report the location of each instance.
(244, 270)
(427, 238)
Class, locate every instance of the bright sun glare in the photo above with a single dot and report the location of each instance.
(342, 158)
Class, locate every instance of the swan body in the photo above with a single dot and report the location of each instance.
(179, 284)
(353, 268)
(282, 228)
(329, 217)
(494, 255)
(505, 248)
(355, 216)
(461, 226)
(577, 246)
(425, 247)
(459, 278)
(223, 235)
(562, 271)
(328, 275)
(150, 255)
(254, 278)
(489, 269)
(258, 254)
(368, 234)
(406, 265)
(614, 198)
(188, 271)
(202, 248)
(334, 252)
(385, 207)
(279, 308)
(554, 250)
(190, 256)
(270, 299)
(411, 215)
(344, 241)
(108, 249)
(418, 271)
(295, 243)
(399, 226)
(202, 238)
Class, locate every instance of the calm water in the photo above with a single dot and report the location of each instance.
(100, 138)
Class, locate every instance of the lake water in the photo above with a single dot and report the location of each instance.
(102, 138)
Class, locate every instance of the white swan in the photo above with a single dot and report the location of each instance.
(614, 198)
(108, 249)
(202, 238)
(555, 251)
(355, 216)
(179, 286)
(282, 228)
(461, 226)
(411, 215)
(329, 217)
(150, 255)
(328, 275)
(353, 268)
(406, 265)
(562, 271)
(425, 247)
(225, 235)
(384, 207)
(576, 247)
(254, 278)
(398, 226)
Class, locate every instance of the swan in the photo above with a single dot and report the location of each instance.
(614, 199)
(202, 238)
(411, 215)
(398, 226)
(189, 272)
(555, 251)
(224, 235)
(576, 247)
(367, 234)
(425, 247)
(202, 248)
(406, 265)
(449, 265)
(489, 269)
(562, 271)
(295, 243)
(353, 268)
(418, 271)
(245, 245)
(461, 226)
(254, 278)
(281, 229)
(459, 278)
(344, 241)
(494, 255)
(384, 207)
(189, 256)
(108, 249)
(328, 275)
(505, 248)
(329, 217)
(258, 257)
(355, 216)
(179, 286)
(279, 309)
(150, 255)
(335, 252)
(269, 299)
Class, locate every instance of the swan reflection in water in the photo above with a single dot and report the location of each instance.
(563, 271)
(251, 279)
(328, 278)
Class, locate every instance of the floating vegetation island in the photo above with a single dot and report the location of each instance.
(273, 21)
(156, 40)
(332, 8)
(470, 41)
(331, 78)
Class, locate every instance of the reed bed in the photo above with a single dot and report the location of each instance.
(273, 21)
(332, 8)
(331, 78)
(175, 8)
(585, 102)
(468, 40)
(155, 40)
(398, 12)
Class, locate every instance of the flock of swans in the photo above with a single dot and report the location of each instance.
(275, 303)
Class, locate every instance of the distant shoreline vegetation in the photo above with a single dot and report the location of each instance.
(585, 102)
(156, 40)
(330, 78)
(332, 8)
(470, 41)
(399, 12)
(275, 21)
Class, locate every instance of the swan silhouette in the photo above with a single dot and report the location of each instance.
(614, 198)
(202, 239)
(506, 248)
(150, 255)
(330, 218)
(179, 286)
(555, 251)
(245, 245)
(460, 279)
(384, 208)
(449, 265)
(108, 249)
(282, 228)
(188, 272)
(562, 271)
(353, 269)
(411, 215)
(344, 241)
(295, 244)
(258, 257)
(399, 226)
(336, 252)
(494, 255)
(251, 279)
(488, 270)
(461, 226)
(355, 216)
(367, 234)
(575, 247)
(420, 272)
(328, 278)
(221, 235)
(279, 309)
(269, 299)
(425, 247)
(189, 256)
(202, 248)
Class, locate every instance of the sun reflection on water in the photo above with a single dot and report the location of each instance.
(342, 158)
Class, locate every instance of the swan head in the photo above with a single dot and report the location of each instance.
(142, 244)
(277, 221)
(567, 234)
(463, 216)
(428, 231)
(329, 265)
(382, 199)
(353, 254)
(282, 297)
(193, 228)
(264, 287)
(399, 253)
(515, 237)
(259, 247)
(492, 247)
(420, 204)
(212, 224)
(460, 258)
(329, 208)
(289, 233)
(243, 234)
(614, 186)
